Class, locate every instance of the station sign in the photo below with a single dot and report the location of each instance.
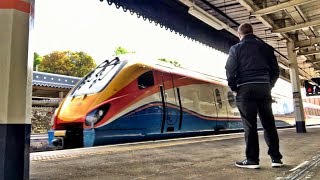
(312, 89)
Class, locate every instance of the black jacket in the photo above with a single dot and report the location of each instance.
(251, 61)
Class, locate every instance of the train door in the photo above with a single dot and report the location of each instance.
(170, 102)
(207, 108)
(222, 111)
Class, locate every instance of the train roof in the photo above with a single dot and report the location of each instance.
(167, 67)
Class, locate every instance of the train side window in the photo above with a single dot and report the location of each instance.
(231, 99)
(145, 80)
(218, 95)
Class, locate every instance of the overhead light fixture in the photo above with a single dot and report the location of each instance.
(283, 66)
(205, 17)
(312, 83)
(301, 77)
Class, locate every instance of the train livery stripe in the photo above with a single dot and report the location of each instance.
(124, 79)
(19, 5)
(193, 113)
(151, 91)
(128, 102)
(146, 103)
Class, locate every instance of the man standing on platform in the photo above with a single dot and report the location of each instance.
(252, 70)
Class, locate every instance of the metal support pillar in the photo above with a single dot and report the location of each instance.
(295, 81)
(15, 89)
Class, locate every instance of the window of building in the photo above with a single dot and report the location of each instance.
(146, 80)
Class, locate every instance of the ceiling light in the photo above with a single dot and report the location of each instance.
(312, 83)
(301, 77)
(283, 66)
(205, 17)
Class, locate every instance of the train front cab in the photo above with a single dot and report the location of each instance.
(70, 127)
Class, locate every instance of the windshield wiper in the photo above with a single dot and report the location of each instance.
(94, 81)
(103, 66)
(85, 80)
(89, 77)
(113, 62)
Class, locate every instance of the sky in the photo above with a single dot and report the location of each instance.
(97, 29)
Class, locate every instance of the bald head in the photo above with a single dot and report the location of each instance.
(244, 29)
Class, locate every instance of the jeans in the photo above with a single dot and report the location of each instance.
(253, 100)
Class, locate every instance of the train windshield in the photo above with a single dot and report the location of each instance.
(97, 80)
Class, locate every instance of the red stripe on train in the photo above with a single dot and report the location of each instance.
(19, 5)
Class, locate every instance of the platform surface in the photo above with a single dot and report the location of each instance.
(209, 157)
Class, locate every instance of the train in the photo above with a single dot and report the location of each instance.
(127, 99)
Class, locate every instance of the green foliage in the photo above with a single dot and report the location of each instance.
(37, 59)
(67, 63)
(173, 62)
(121, 50)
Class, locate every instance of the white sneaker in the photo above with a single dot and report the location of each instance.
(276, 163)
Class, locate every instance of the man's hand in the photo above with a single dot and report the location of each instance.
(234, 93)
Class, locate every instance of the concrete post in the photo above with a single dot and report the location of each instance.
(295, 82)
(15, 89)
(61, 95)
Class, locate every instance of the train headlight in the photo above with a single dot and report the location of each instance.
(100, 113)
(96, 115)
(91, 118)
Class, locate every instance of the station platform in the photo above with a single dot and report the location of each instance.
(206, 157)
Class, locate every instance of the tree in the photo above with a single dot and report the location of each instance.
(67, 63)
(121, 50)
(174, 62)
(36, 60)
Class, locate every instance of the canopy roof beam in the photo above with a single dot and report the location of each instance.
(308, 53)
(280, 7)
(307, 43)
(297, 27)
(250, 6)
(315, 61)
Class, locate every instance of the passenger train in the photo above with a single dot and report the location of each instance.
(125, 99)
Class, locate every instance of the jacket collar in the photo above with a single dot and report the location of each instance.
(248, 36)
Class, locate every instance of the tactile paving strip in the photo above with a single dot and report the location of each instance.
(73, 153)
(303, 170)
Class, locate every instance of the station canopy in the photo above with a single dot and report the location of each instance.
(214, 23)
